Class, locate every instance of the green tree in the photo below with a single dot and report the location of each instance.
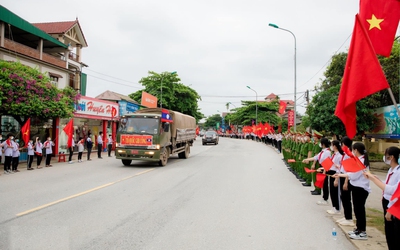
(212, 121)
(175, 95)
(266, 112)
(26, 92)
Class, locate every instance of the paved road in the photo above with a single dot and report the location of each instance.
(236, 195)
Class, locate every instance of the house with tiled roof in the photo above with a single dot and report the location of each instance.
(54, 48)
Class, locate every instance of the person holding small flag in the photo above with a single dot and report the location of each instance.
(71, 149)
(38, 151)
(81, 147)
(31, 153)
(360, 190)
(321, 157)
(336, 158)
(49, 151)
(8, 153)
(389, 187)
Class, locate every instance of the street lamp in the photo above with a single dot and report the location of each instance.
(162, 78)
(256, 102)
(277, 27)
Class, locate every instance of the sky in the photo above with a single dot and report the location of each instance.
(216, 47)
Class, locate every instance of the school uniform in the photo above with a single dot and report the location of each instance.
(39, 151)
(321, 157)
(15, 157)
(109, 146)
(345, 195)
(71, 150)
(80, 150)
(392, 232)
(8, 153)
(99, 145)
(334, 191)
(360, 190)
(49, 152)
(89, 146)
(31, 153)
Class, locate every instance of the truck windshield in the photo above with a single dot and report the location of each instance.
(138, 125)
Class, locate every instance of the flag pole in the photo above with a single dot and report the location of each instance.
(394, 102)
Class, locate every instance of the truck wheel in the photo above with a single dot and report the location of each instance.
(126, 162)
(163, 157)
(185, 154)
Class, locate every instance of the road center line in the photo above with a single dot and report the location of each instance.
(79, 194)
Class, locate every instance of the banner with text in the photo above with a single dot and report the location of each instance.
(93, 108)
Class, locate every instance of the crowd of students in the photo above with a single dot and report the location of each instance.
(351, 189)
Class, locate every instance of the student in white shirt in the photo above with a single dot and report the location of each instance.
(99, 145)
(81, 147)
(15, 156)
(49, 151)
(8, 153)
(71, 150)
(389, 186)
(109, 145)
(38, 151)
(31, 153)
(360, 190)
(336, 158)
(321, 157)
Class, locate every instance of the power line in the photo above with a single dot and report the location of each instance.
(326, 62)
(115, 82)
(113, 77)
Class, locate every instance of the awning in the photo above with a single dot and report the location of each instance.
(55, 75)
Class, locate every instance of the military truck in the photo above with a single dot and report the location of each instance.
(154, 134)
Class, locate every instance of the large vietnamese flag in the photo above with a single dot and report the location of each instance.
(381, 19)
(69, 130)
(282, 107)
(363, 76)
(26, 132)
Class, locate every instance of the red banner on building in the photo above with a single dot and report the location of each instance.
(290, 119)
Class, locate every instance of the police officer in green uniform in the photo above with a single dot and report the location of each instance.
(307, 153)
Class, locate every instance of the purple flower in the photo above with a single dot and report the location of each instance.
(40, 76)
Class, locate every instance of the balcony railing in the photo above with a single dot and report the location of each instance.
(73, 56)
(34, 53)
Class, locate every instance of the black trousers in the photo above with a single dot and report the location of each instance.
(15, 163)
(39, 159)
(109, 149)
(280, 146)
(345, 195)
(333, 191)
(80, 155)
(71, 152)
(48, 159)
(30, 160)
(99, 148)
(391, 230)
(89, 150)
(359, 196)
(7, 163)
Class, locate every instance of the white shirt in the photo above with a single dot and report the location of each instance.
(321, 156)
(80, 146)
(16, 152)
(48, 145)
(342, 170)
(357, 179)
(337, 160)
(31, 151)
(8, 149)
(39, 147)
(392, 184)
(99, 140)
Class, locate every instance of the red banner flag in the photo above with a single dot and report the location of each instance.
(395, 209)
(320, 180)
(26, 132)
(380, 18)
(327, 164)
(290, 119)
(69, 130)
(363, 76)
(352, 165)
(309, 171)
(282, 107)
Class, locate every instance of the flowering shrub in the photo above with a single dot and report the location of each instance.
(26, 92)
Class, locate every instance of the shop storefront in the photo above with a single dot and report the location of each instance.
(91, 117)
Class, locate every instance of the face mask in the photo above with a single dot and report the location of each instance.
(12, 138)
(16, 140)
(386, 161)
(320, 145)
(49, 139)
(331, 148)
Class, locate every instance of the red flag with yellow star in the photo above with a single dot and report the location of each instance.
(381, 19)
(282, 107)
(26, 132)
